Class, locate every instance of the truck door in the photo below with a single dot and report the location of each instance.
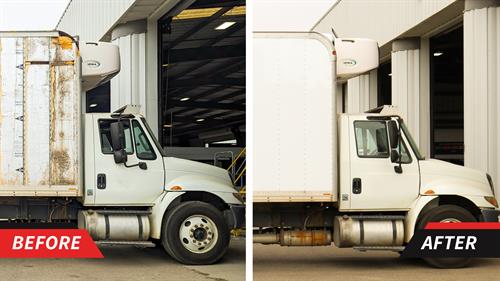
(117, 184)
(375, 185)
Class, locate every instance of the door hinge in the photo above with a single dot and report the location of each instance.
(20, 118)
(21, 170)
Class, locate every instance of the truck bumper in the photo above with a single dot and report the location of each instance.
(490, 215)
(235, 216)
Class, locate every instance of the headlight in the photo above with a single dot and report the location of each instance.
(239, 197)
(490, 180)
(492, 200)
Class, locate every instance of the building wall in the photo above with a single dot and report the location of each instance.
(129, 86)
(137, 81)
(90, 20)
(386, 21)
(379, 20)
(391, 21)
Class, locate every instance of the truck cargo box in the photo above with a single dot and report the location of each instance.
(39, 115)
(295, 146)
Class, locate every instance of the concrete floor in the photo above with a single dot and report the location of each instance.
(275, 263)
(126, 263)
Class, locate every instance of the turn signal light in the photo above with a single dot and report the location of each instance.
(176, 188)
(492, 200)
(429, 192)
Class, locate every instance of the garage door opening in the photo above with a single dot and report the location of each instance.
(447, 96)
(202, 76)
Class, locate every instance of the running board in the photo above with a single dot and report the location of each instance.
(379, 248)
(145, 244)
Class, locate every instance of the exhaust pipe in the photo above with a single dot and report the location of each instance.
(295, 238)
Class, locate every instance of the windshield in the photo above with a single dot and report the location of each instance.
(413, 144)
(156, 142)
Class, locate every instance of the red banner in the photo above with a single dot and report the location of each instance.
(463, 225)
(47, 243)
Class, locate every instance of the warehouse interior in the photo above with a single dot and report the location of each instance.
(201, 81)
(447, 96)
(202, 75)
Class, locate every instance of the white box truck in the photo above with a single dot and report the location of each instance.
(357, 180)
(104, 172)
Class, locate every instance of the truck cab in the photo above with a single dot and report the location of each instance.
(388, 172)
(190, 207)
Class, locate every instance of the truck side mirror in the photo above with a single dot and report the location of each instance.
(394, 156)
(118, 142)
(117, 135)
(393, 133)
(120, 156)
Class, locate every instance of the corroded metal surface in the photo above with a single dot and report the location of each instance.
(39, 116)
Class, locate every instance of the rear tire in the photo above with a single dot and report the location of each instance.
(195, 233)
(450, 213)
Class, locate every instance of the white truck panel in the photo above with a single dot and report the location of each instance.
(39, 115)
(11, 101)
(295, 97)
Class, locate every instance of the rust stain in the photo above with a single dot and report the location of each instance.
(309, 238)
(65, 42)
(62, 169)
(60, 164)
(52, 95)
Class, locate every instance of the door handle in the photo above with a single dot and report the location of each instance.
(101, 181)
(356, 185)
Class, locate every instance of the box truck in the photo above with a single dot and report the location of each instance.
(355, 180)
(104, 172)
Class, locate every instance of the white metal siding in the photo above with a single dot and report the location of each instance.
(129, 86)
(406, 88)
(91, 19)
(481, 88)
(362, 93)
(379, 20)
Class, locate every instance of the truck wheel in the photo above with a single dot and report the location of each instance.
(195, 233)
(450, 214)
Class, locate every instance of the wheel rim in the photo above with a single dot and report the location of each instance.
(450, 220)
(198, 234)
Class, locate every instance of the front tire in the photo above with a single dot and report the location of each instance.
(195, 233)
(451, 214)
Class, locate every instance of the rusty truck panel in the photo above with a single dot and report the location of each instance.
(39, 116)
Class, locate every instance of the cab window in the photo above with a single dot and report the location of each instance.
(371, 139)
(105, 135)
(143, 147)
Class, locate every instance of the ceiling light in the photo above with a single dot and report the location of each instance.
(167, 126)
(93, 105)
(225, 25)
(196, 13)
(236, 11)
(185, 99)
(200, 120)
(437, 54)
(390, 74)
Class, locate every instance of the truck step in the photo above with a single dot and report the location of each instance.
(144, 244)
(123, 212)
(379, 248)
(375, 217)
